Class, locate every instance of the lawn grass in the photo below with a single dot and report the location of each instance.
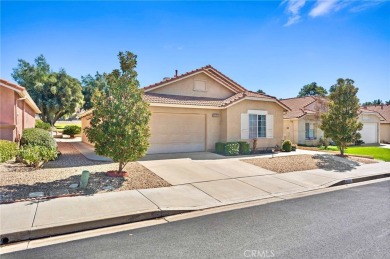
(376, 152)
(61, 126)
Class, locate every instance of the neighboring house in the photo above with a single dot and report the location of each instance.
(193, 111)
(17, 110)
(302, 124)
(384, 111)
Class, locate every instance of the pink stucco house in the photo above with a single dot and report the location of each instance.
(17, 110)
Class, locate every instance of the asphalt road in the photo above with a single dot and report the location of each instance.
(350, 223)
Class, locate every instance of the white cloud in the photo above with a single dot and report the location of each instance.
(324, 7)
(366, 5)
(293, 8)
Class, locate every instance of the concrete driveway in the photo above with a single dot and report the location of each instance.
(210, 168)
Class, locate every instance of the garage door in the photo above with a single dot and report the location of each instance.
(369, 133)
(172, 133)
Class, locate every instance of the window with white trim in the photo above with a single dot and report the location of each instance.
(257, 126)
(310, 131)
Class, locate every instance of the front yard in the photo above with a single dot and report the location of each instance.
(18, 181)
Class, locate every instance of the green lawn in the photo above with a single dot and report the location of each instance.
(61, 125)
(376, 152)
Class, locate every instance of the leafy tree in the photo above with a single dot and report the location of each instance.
(56, 93)
(89, 84)
(375, 102)
(312, 90)
(260, 91)
(387, 102)
(120, 119)
(341, 123)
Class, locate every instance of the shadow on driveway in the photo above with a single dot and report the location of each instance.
(335, 163)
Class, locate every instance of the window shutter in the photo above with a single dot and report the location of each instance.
(244, 126)
(270, 126)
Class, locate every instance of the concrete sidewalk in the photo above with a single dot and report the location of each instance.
(30, 220)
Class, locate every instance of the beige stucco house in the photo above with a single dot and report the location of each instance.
(384, 111)
(302, 123)
(17, 110)
(193, 111)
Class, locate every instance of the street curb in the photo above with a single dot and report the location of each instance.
(49, 231)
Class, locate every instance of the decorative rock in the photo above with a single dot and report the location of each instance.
(108, 188)
(35, 194)
(74, 185)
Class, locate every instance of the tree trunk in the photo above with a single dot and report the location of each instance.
(120, 167)
(342, 151)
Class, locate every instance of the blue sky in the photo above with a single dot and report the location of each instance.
(276, 46)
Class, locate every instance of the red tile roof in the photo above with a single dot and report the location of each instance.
(209, 70)
(205, 101)
(383, 110)
(301, 106)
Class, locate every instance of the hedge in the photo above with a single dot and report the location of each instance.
(232, 149)
(37, 137)
(8, 150)
(42, 125)
(220, 148)
(244, 148)
(71, 130)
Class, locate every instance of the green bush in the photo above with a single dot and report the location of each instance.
(244, 148)
(324, 142)
(286, 145)
(36, 156)
(294, 147)
(37, 137)
(220, 148)
(71, 130)
(8, 150)
(232, 149)
(42, 125)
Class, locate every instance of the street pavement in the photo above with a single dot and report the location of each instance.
(348, 223)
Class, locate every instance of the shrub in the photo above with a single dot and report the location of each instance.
(244, 148)
(324, 142)
(8, 150)
(36, 156)
(294, 147)
(220, 148)
(71, 130)
(232, 149)
(37, 137)
(42, 125)
(359, 142)
(286, 145)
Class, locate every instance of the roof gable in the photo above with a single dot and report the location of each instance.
(209, 71)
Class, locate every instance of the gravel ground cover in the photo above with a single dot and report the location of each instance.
(285, 164)
(17, 180)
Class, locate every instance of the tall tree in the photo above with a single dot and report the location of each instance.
(260, 91)
(89, 84)
(341, 123)
(56, 93)
(120, 119)
(312, 90)
(375, 102)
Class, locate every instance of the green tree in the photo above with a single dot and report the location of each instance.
(260, 91)
(56, 93)
(375, 102)
(89, 84)
(120, 119)
(312, 90)
(341, 123)
(387, 102)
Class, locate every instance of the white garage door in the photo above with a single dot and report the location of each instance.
(369, 133)
(172, 133)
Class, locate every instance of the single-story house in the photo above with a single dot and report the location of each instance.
(302, 124)
(17, 110)
(193, 111)
(384, 111)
